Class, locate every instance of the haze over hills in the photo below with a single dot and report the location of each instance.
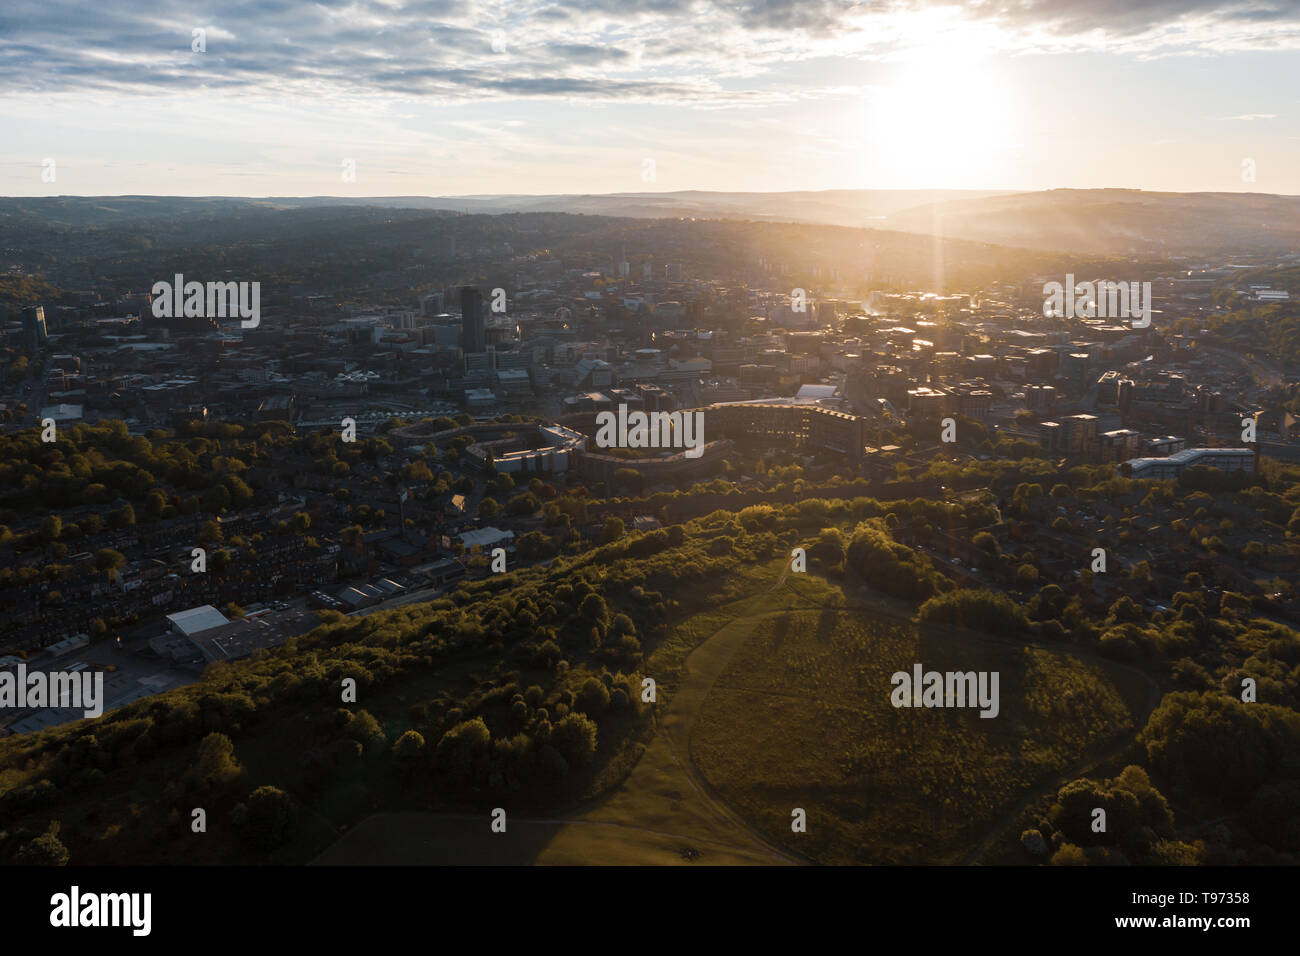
(1116, 221)
(845, 207)
(359, 250)
(1103, 222)
(836, 207)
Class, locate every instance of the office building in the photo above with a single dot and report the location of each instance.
(473, 331)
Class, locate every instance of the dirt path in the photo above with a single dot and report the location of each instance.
(461, 839)
(889, 607)
(665, 792)
(999, 829)
(664, 812)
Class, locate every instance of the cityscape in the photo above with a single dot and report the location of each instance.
(860, 521)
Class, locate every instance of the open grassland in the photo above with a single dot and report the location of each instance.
(662, 813)
(801, 717)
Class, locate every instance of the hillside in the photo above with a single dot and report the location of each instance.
(1117, 221)
(1095, 222)
(527, 692)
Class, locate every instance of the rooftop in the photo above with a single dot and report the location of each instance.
(198, 619)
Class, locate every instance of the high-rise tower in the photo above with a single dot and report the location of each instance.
(473, 333)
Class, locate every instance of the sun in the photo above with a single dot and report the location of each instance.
(943, 120)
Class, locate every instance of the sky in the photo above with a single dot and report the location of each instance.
(472, 97)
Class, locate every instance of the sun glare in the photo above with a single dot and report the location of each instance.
(942, 120)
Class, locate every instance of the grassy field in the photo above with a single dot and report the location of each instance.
(801, 717)
(660, 814)
(778, 697)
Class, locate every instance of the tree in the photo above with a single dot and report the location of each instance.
(594, 608)
(990, 611)
(240, 493)
(44, 850)
(270, 817)
(488, 508)
(552, 762)
(461, 746)
(106, 559)
(1137, 814)
(1220, 745)
(1069, 855)
(574, 736)
(155, 504)
(1125, 611)
(524, 504)
(408, 749)
(51, 528)
(417, 471)
(534, 545)
(217, 500)
(829, 547)
(363, 728)
(891, 567)
(216, 765)
(593, 698)
(612, 531)
(628, 479)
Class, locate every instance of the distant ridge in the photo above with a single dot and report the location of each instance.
(1111, 222)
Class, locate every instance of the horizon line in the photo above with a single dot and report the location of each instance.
(668, 192)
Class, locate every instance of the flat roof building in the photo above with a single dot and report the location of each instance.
(485, 538)
(1225, 459)
(197, 619)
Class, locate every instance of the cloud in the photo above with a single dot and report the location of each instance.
(1249, 117)
(1132, 16)
(692, 51)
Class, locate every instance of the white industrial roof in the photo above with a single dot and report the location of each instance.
(485, 536)
(198, 619)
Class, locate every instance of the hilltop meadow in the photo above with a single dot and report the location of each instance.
(527, 691)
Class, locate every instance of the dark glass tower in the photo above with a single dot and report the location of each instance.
(473, 334)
